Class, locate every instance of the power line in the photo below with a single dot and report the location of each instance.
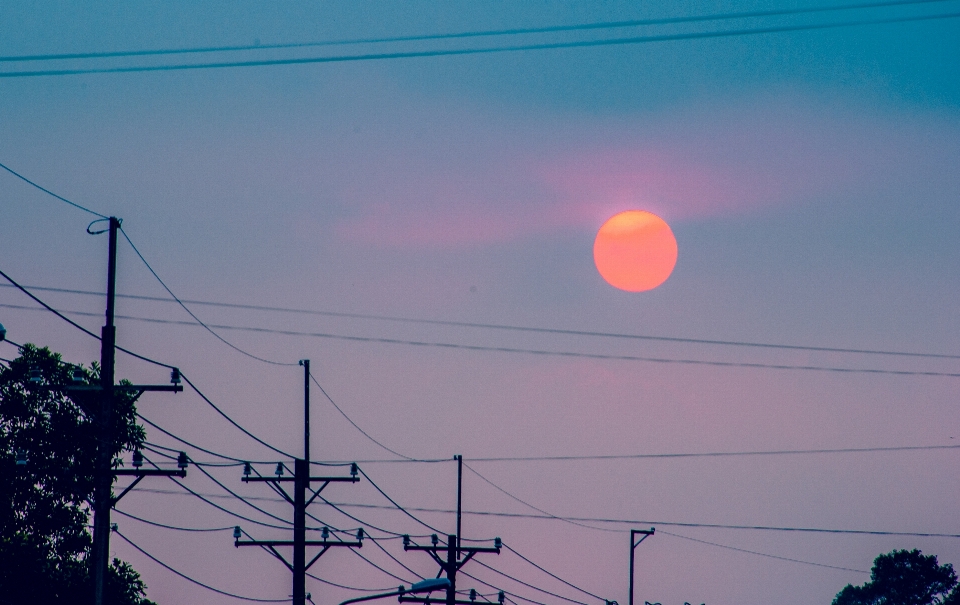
(760, 554)
(851, 450)
(658, 523)
(47, 191)
(504, 327)
(554, 576)
(479, 50)
(528, 505)
(542, 352)
(173, 527)
(394, 502)
(197, 582)
(232, 421)
(469, 34)
(191, 313)
(355, 425)
(518, 581)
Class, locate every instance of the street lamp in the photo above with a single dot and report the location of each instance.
(646, 533)
(428, 585)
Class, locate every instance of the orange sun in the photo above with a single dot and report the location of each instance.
(635, 251)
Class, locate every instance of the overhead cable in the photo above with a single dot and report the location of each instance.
(622, 41)
(197, 582)
(552, 575)
(505, 327)
(547, 353)
(193, 315)
(468, 34)
(760, 554)
(355, 425)
(47, 191)
(528, 505)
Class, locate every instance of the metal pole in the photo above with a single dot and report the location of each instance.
(632, 551)
(452, 548)
(306, 409)
(102, 496)
(301, 479)
(459, 458)
(646, 533)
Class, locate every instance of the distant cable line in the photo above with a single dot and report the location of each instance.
(851, 450)
(479, 50)
(542, 352)
(467, 34)
(761, 554)
(465, 324)
(197, 582)
(47, 191)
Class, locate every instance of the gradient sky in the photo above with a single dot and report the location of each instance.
(811, 178)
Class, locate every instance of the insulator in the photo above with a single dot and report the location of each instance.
(434, 539)
(182, 460)
(497, 543)
(137, 459)
(354, 469)
(360, 535)
(175, 376)
(247, 469)
(501, 597)
(279, 469)
(325, 533)
(473, 594)
(77, 376)
(35, 376)
(21, 457)
(236, 532)
(406, 540)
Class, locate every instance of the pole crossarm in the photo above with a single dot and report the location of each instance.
(292, 479)
(123, 388)
(140, 474)
(324, 543)
(405, 599)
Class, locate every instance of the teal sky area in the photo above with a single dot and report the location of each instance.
(811, 177)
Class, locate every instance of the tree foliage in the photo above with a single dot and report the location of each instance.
(45, 542)
(905, 577)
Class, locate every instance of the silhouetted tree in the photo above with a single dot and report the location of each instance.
(904, 577)
(45, 543)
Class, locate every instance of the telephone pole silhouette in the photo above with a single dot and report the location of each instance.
(103, 498)
(452, 556)
(301, 485)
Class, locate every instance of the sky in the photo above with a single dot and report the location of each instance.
(811, 178)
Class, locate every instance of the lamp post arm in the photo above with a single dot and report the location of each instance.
(382, 595)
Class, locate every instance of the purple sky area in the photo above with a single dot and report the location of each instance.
(811, 179)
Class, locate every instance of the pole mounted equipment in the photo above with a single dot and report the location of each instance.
(634, 543)
(302, 481)
(105, 474)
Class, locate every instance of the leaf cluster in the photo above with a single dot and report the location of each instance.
(904, 577)
(44, 505)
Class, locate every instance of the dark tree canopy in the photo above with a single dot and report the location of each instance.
(904, 577)
(44, 513)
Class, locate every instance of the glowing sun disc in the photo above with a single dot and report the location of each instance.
(635, 251)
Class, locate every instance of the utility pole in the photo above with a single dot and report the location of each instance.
(104, 476)
(450, 566)
(634, 543)
(454, 551)
(301, 485)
